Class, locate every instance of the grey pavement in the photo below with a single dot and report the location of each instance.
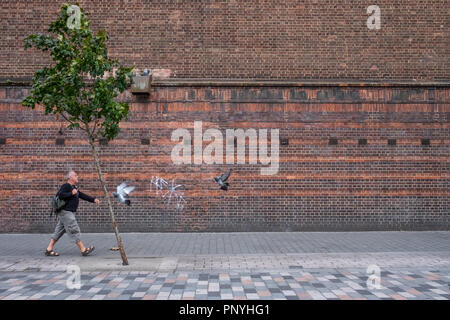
(255, 251)
(231, 266)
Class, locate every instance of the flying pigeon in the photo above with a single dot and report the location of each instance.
(221, 180)
(146, 72)
(122, 193)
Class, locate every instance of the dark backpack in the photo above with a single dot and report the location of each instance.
(56, 204)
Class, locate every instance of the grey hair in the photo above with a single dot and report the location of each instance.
(69, 174)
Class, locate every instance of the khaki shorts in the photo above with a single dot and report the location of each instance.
(67, 223)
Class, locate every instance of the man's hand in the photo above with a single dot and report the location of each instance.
(97, 201)
(74, 191)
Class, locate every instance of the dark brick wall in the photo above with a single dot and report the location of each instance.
(320, 186)
(264, 39)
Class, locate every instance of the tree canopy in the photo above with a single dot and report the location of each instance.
(83, 83)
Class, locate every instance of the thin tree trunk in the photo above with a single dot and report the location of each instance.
(113, 219)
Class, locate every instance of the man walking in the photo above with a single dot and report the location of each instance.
(66, 217)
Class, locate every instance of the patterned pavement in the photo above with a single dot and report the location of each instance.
(332, 284)
(231, 266)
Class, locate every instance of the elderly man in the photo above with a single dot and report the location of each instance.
(66, 217)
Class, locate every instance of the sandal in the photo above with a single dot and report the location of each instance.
(51, 253)
(88, 251)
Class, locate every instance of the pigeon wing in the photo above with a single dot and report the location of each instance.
(120, 187)
(127, 190)
(122, 198)
(225, 176)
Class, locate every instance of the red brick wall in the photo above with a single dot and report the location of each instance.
(267, 39)
(319, 186)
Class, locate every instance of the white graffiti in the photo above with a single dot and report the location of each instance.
(171, 193)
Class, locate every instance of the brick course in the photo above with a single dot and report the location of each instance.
(263, 39)
(319, 186)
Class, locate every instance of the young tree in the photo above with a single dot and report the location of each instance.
(82, 84)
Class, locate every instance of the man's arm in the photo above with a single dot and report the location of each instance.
(86, 197)
(65, 192)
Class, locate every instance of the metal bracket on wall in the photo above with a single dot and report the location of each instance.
(141, 85)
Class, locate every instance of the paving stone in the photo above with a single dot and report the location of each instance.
(406, 273)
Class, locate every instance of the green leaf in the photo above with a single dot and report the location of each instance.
(63, 87)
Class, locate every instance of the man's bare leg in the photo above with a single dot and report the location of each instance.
(51, 244)
(81, 246)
